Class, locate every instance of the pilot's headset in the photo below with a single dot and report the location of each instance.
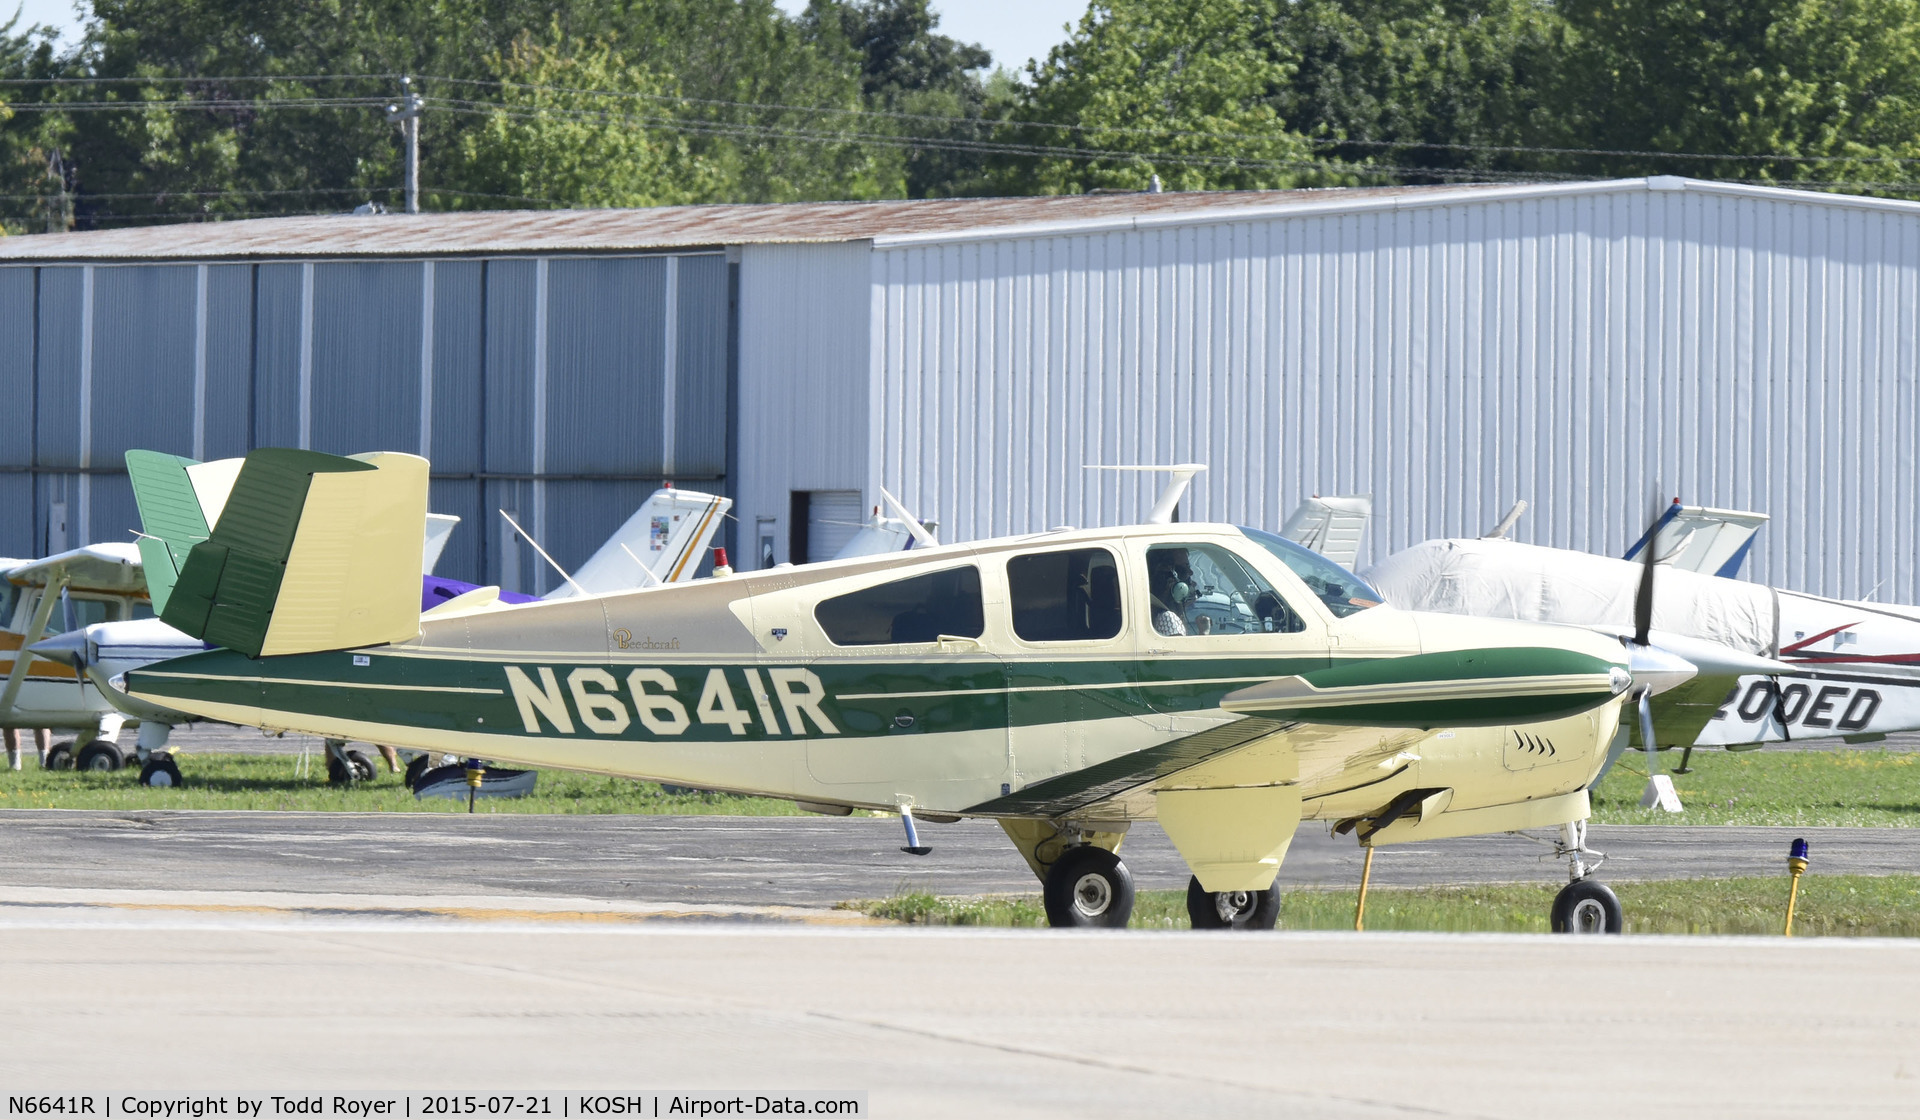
(1182, 591)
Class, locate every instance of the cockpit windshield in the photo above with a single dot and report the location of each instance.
(1343, 592)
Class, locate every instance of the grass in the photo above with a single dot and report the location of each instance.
(1837, 906)
(1771, 787)
(270, 781)
(1806, 788)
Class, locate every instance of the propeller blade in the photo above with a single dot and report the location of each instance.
(1643, 597)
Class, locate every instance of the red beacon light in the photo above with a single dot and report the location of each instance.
(720, 565)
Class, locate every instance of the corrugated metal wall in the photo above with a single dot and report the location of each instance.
(1581, 351)
(804, 383)
(535, 385)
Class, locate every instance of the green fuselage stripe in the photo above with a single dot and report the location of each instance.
(726, 701)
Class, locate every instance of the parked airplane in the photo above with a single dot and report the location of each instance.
(180, 501)
(1220, 679)
(61, 594)
(1849, 669)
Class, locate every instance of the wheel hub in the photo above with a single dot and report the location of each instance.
(1589, 917)
(1232, 905)
(1092, 895)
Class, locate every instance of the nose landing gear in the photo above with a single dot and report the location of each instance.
(1584, 905)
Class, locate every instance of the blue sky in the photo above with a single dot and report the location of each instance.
(1014, 30)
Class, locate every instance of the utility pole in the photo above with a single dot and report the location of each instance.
(407, 115)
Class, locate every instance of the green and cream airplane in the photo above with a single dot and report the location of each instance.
(1220, 680)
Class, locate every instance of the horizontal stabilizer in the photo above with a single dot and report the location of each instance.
(1333, 527)
(312, 552)
(1713, 542)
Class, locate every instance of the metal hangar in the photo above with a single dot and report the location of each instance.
(1447, 349)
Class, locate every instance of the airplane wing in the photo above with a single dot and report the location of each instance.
(1701, 539)
(95, 567)
(1230, 796)
(1477, 688)
(1331, 526)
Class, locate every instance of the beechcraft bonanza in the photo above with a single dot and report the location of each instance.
(1221, 680)
(180, 500)
(1846, 669)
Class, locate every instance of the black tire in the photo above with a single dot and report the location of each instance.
(60, 756)
(161, 772)
(354, 770)
(1089, 886)
(417, 769)
(1587, 906)
(100, 758)
(1232, 909)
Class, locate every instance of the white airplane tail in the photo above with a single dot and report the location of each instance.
(1331, 526)
(883, 534)
(1702, 539)
(662, 542)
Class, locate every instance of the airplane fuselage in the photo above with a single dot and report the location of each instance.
(793, 683)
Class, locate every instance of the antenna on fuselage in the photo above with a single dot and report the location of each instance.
(1499, 532)
(1163, 507)
(528, 537)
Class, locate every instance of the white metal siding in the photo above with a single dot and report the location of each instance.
(803, 396)
(1582, 351)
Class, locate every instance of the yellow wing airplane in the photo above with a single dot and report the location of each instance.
(1221, 680)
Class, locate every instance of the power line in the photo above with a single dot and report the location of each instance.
(1130, 130)
(159, 81)
(237, 104)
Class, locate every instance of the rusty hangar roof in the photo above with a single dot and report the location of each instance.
(664, 227)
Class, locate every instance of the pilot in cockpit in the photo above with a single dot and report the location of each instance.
(1170, 582)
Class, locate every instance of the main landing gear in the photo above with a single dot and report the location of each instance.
(1232, 909)
(1088, 886)
(1584, 905)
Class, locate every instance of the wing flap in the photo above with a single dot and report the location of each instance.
(1070, 793)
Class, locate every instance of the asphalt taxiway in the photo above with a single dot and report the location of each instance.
(787, 861)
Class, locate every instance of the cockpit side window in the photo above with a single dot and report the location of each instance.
(1065, 596)
(1200, 589)
(916, 609)
(1343, 592)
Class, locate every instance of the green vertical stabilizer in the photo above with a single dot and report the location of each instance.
(170, 518)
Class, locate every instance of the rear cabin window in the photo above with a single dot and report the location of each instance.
(919, 609)
(1071, 596)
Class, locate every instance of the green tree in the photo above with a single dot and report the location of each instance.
(35, 185)
(1815, 91)
(1182, 89)
(542, 143)
(924, 89)
(1420, 88)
